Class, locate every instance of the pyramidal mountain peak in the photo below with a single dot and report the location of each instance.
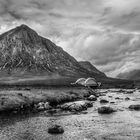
(24, 52)
(21, 32)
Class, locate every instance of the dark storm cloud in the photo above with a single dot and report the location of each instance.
(105, 32)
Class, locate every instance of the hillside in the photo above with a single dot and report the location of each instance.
(88, 66)
(132, 75)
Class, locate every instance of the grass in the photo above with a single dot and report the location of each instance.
(60, 82)
(11, 99)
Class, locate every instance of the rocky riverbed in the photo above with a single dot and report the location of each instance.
(86, 124)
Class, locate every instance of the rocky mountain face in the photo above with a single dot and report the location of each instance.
(132, 75)
(24, 52)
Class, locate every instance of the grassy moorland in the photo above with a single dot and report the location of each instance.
(11, 99)
(43, 81)
(15, 92)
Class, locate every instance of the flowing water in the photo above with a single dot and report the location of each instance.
(121, 125)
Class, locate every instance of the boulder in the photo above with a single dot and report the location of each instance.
(135, 107)
(92, 98)
(103, 100)
(105, 110)
(47, 106)
(56, 129)
(43, 106)
(40, 104)
(40, 108)
(89, 104)
(76, 106)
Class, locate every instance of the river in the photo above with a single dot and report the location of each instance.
(89, 125)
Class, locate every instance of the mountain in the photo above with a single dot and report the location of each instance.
(88, 66)
(132, 75)
(25, 53)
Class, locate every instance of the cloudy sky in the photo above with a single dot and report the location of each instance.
(104, 32)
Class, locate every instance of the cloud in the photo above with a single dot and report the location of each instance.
(110, 51)
(105, 32)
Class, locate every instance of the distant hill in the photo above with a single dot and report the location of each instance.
(132, 75)
(88, 66)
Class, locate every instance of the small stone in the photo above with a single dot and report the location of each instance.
(112, 102)
(56, 129)
(127, 98)
(117, 98)
(20, 94)
(110, 96)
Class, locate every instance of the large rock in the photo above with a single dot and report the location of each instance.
(76, 106)
(105, 110)
(103, 100)
(56, 129)
(92, 98)
(135, 107)
(43, 106)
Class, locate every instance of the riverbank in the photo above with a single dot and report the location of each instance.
(29, 100)
(15, 100)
